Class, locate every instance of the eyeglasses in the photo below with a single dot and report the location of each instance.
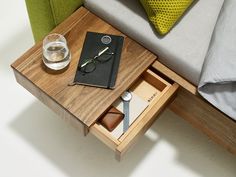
(103, 56)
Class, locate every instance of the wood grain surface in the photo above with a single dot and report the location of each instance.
(201, 114)
(83, 102)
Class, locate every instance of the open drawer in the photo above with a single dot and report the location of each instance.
(158, 101)
(82, 106)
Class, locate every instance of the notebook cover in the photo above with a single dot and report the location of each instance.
(105, 73)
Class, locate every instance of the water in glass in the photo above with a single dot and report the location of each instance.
(56, 54)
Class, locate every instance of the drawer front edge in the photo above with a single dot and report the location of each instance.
(147, 121)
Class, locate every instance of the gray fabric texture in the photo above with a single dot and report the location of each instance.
(183, 49)
(218, 79)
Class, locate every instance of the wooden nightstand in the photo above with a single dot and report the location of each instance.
(81, 105)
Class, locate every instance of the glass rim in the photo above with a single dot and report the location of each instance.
(54, 34)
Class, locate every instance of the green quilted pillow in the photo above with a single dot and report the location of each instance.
(165, 13)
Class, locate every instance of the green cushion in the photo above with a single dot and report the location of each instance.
(164, 14)
(41, 17)
(46, 14)
(61, 9)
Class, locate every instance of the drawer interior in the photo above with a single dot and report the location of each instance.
(156, 92)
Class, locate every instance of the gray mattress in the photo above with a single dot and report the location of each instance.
(183, 49)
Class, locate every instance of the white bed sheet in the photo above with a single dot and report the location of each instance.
(218, 80)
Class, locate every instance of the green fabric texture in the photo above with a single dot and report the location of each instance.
(165, 14)
(44, 15)
(41, 17)
(61, 9)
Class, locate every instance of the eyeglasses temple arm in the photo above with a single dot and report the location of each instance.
(102, 51)
(85, 63)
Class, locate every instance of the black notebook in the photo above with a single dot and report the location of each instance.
(101, 74)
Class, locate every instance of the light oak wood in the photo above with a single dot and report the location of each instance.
(202, 115)
(144, 121)
(105, 136)
(147, 120)
(175, 77)
(84, 103)
(160, 84)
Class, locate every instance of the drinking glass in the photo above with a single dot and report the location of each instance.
(56, 54)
